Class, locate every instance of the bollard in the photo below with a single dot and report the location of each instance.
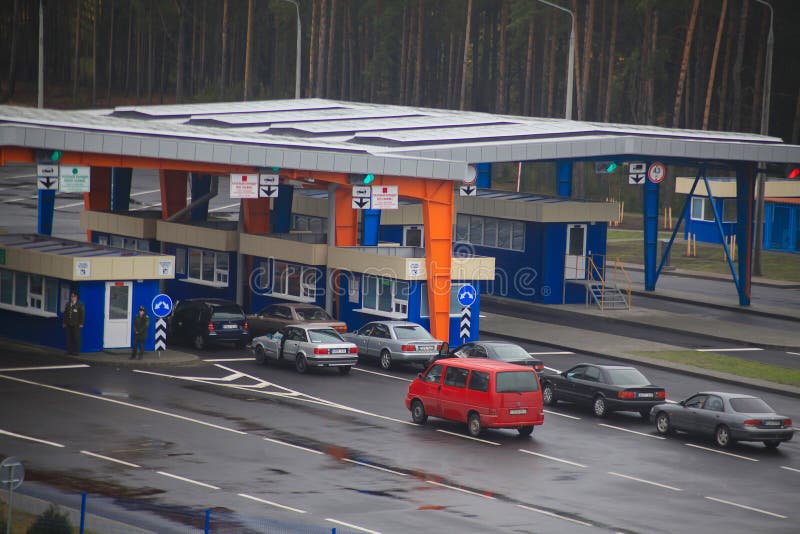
(207, 527)
(83, 512)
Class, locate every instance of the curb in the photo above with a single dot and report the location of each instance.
(778, 284)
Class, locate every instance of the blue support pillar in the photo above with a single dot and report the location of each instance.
(282, 210)
(745, 207)
(121, 188)
(47, 205)
(484, 179)
(564, 176)
(370, 227)
(201, 185)
(82, 523)
(650, 234)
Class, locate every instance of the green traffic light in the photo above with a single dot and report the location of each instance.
(368, 179)
(56, 155)
(611, 167)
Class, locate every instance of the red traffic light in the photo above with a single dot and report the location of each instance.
(795, 173)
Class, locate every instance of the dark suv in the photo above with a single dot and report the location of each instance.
(200, 322)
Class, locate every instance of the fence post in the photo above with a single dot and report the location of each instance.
(83, 512)
(207, 527)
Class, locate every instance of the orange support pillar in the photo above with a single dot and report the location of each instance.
(437, 215)
(173, 191)
(255, 215)
(99, 196)
(346, 218)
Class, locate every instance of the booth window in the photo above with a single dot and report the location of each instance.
(490, 232)
(385, 294)
(129, 243)
(180, 260)
(28, 292)
(293, 280)
(702, 210)
(729, 210)
(208, 266)
(455, 306)
(308, 223)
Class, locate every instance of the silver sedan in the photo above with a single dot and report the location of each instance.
(394, 341)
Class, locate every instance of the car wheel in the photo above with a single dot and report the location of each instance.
(645, 413)
(474, 425)
(344, 370)
(418, 414)
(549, 395)
(386, 360)
(772, 443)
(300, 364)
(599, 406)
(525, 430)
(723, 436)
(663, 425)
(199, 342)
(261, 355)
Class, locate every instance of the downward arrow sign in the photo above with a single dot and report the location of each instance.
(361, 202)
(47, 182)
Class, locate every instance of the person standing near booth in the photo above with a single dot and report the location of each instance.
(140, 327)
(74, 316)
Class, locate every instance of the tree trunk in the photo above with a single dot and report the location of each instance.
(150, 59)
(577, 80)
(796, 123)
(322, 42)
(182, 7)
(418, 65)
(193, 55)
(312, 49)
(551, 65)
(139, 61)
(612, 60)
(687, 47)
(248, 51)
(351, 46)
(466, 60)
(736, 105)
(330, 74)
(130, 45)
(758, 81)
(500, 101)
(650, 114)
(76, 58)
(12, 60)
(223, 70)
(726, 71)
(526, 94)
(715, 55)
(583, 108)
(109, 70)
(95, 9)
(404, 55)
(640, 84)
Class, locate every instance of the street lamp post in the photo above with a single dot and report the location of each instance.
(762, 175)
(571, 60)
(298, 51)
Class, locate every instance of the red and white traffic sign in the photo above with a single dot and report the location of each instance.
(656, 172)
(472, 175)
(244, 186)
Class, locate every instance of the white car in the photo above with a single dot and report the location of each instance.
(306, 346)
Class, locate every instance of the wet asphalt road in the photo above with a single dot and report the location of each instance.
(342, 449)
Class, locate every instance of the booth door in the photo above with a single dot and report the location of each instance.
(575, 262)
(117, 327)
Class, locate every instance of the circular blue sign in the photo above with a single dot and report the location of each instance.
(162, 305)
(467, 295)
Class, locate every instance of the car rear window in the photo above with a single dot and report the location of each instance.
(516, 381)
(627, 377)
(510, 352)
(411, 332)
(312, 314)
(750, 405)
(227, 313)
(327, 335)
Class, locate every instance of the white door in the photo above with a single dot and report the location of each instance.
(117, 328)
(575, 262)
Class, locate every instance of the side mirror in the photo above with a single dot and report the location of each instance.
(682, 403)
(444, 349)
(419, 376)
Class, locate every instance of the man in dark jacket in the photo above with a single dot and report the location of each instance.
(140, 327)
(74, 315)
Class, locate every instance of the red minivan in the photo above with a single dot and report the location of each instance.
(481, 393)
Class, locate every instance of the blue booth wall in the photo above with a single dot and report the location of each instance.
(181, 288)
(392, 233)
(782, 226)
(261, 283)
(707, 231)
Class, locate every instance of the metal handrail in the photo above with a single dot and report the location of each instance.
(619, 267)
(593, 268)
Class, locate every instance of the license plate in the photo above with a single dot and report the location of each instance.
(426, 348)
(772, 423)
(521, 411)
(229, 326)
(338, 351)
(645, 395)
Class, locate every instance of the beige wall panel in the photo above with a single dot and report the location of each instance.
(283, 249)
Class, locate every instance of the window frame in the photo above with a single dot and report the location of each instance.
(372, 302)
(514, 238)
(306, 292)
(219, 276)
(35, 303)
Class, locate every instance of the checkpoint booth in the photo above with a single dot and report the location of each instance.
(131, 230)
(38, 273)
(543, 246)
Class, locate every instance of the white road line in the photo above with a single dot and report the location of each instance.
(793, 353)
(557, 516)
(562, 415)
(76, 204)
(540, 455)
(44, 368)
(127, 404)
(631, 431)
(462, 490)
(790, 469)
(224, 207)
(140, 208)
(382, 374)
(720, 452)
(645, 481)
(189, 480)
(467, 437)
(350, 525)
(376, 467)
(88, 453)
(779, 516)
(9, 201)
(552, 369)
(29, 438)
(222, 360)
(279, 442)
(270, 503)
(553, 353)
(734, 349)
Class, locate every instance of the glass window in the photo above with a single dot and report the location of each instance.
(455, 306)
(6, 287)
(479, 381)
(576, 372)
(504, 233)
(434, 374)
(413, 236)
(279, 275)
(729, 210)
(36, 291)
(696, 401)
(516, 381)
(309, 282)
(385, 295)
(509, 352)
(325, 335)
(456, 377)
(21, 289)
(208, 266)
(708, 212)
(195, 258)
(293, 280)
(750, 405)
(180, 261)
(592, 373)
(312, 314)
(490, 232)
(115, 241)
(627, 377)
(227, 313)
(316, 224)
(118, 302)
(715, 404)
(370, 292)
(697, 208)
(51, 295)
(476, 230)
(411, 332)
(576, 234)
(143, 245)
(462, 228)
(518, 236)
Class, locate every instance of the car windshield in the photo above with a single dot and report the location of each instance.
(509, 352)
(516, 381)
(627, 377)
(411, 332)
(750, 405)
(227, 313)
(312, 314)
(325, 335)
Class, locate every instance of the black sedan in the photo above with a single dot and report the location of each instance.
(606, 388)
(728, 417)
(493, 350)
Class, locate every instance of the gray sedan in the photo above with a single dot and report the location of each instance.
(729, 417)
(394, 341)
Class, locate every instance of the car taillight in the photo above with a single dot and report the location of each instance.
(246, 326)
(752, 422)
(318, 350)
(210, 326)
(408, 348)
(340, 328)
(439, 346)
(353, 350)
(539, 366)
(787, 422)
(626, 394)
(661, 395)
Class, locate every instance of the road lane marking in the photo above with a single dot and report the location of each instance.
(43, 368)
(631, 431)
(376, 467)
(462, 490)
(127, 404)
(562, 415)
(552, 369)
(793, 353)
(110, 459)
(224, 207)
(552, 514)
(779, 516)
(644, 481)
(29, 438)
(223, 360)
(790, 469)
(382, 374)
(733, 349)
(720, 452)
(287, 444)
(552, 458)
(189, 480)
(467, 437)
(350, 525)
(551, 353)
(270, 503)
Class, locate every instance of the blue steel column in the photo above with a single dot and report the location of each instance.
(121, 188)
(47, 205)
(650, 234)
(370, 227)
(282, 210)
(484, 179)
(201, 185)
(564, 176)
(745, 193)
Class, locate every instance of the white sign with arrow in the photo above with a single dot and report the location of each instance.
(268, 185)
(362, 197)
(637, 173)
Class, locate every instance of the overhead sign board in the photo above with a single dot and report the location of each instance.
(73, 179)
(656, 172)
(244, 186)
(362, 197)
(637, 172)
(384, 197)
(268, 185)
(47, 183)
(47, 170)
